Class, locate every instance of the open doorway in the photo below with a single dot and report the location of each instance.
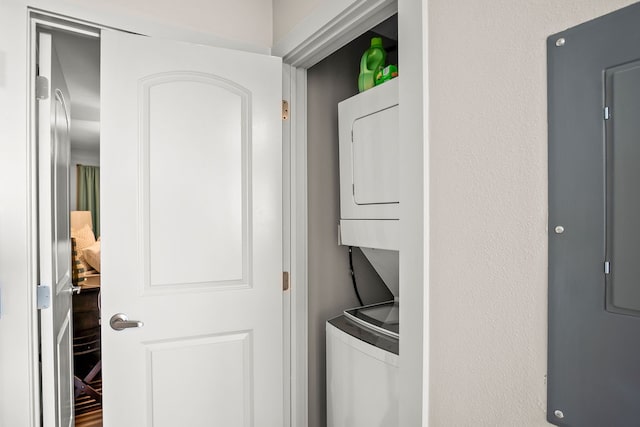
(80, 61)
(205, 126)
(68, 80)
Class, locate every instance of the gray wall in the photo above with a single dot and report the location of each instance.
(330, 289)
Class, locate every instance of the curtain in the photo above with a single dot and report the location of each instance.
(89, 194)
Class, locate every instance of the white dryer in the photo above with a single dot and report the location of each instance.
(362, 367)
(362, 344)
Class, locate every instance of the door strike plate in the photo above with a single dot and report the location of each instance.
(43, 297)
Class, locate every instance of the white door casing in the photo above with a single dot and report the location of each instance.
(55, 244)
(192, 234)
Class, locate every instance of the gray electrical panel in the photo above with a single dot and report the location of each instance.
(594, 222)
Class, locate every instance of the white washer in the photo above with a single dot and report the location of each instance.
(362, 367)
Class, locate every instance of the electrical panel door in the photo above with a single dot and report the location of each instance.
(594, 222)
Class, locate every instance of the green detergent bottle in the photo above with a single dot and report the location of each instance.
(370, 64)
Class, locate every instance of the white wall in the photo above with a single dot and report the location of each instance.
(239, 24)
(16, 322)
(488, 148)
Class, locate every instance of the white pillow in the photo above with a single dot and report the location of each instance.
(84, 238)
(92, 255)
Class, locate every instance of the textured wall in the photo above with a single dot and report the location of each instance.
(488, 146)
(330, 289)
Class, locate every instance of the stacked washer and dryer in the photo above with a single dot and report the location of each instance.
(362, 343)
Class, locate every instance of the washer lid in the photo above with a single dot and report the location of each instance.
(383, 317)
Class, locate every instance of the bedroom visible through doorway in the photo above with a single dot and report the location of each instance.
(78, 55)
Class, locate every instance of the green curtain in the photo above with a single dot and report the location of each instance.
(89, 194)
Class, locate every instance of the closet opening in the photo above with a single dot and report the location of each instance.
(342, 270)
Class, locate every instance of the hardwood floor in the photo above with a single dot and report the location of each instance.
(90, 419)
(88, 411)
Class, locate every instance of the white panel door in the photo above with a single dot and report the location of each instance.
(56, 332)
(191, 234)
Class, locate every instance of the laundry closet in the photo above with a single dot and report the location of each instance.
(330, 264)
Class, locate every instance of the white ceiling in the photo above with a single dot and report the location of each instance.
(80, 60)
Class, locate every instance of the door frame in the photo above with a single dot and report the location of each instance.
(304, 47)
(332, 26)
(18, 312)
(38, 20)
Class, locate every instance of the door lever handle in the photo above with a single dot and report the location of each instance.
(120, 322)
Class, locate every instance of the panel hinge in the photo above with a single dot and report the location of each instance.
(285, 110)
(607, 113)
(42, 87)
(607, 267)
(285, 280)
(43, 297)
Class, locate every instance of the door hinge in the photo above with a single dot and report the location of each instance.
(43, 297)
(285, 110)
(285, 280)
(607, 113)
(607, 267)
(42, 87)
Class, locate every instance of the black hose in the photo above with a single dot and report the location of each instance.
(353, 275)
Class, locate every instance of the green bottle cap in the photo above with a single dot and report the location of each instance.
(376, 42)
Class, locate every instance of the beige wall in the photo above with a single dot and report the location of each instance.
(488, 148)
(287, 14)
(247, 21)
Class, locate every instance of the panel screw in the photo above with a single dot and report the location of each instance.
(558, 413)
(559, 229)
(560, 42)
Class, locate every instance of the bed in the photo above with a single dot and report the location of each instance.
(85, 251)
